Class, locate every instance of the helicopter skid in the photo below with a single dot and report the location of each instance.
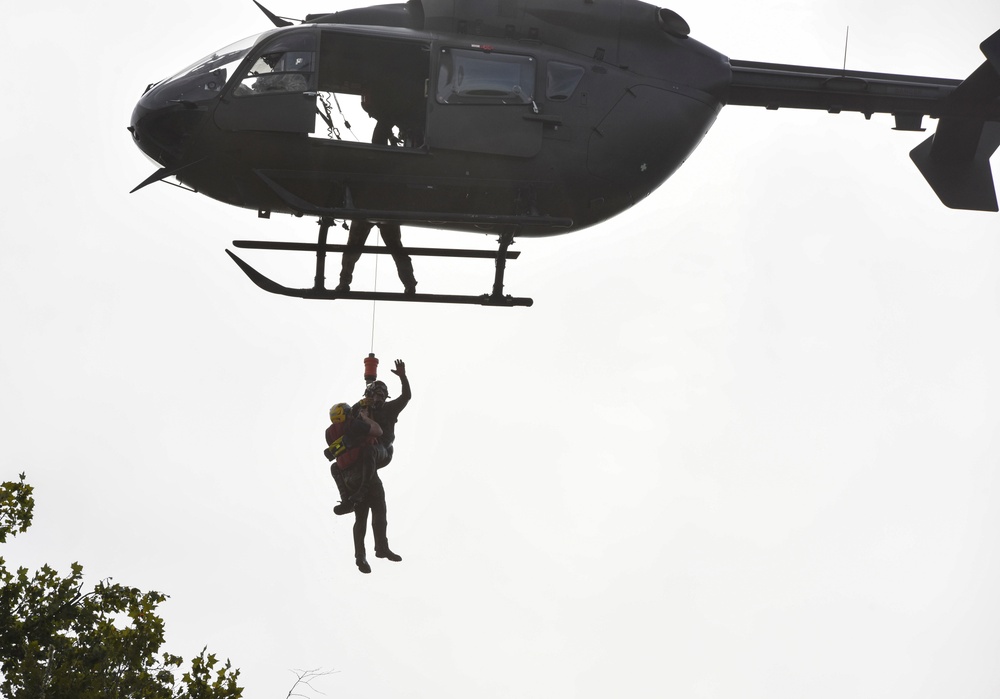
(320, 292)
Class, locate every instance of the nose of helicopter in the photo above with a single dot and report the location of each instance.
(163, 129)
(171, 113)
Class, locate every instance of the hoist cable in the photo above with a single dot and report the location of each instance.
(375, 285)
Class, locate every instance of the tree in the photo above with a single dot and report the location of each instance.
(58, 641)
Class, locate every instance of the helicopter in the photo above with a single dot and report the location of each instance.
(514, 118)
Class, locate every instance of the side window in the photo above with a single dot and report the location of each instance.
(561, 80)
(288, 66)
(478, 77)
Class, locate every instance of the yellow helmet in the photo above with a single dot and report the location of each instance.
(339, 412)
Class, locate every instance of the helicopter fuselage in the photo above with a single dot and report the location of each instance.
(474, 131)
(512, 117)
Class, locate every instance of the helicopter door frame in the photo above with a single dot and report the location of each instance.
(482, 101)
(387, 71)
(275, 90)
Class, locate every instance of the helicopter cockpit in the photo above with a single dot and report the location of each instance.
(313, 81)
(171, 111)
(298, 79)
(202, 80)
(359, 86)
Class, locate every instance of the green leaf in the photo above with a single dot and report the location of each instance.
(59, 640)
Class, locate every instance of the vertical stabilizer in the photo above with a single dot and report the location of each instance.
(956, 159)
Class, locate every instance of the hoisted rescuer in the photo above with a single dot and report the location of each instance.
(359, 442)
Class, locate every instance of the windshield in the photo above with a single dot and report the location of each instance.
(205, 78)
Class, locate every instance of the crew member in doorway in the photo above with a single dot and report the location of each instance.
(390, 109)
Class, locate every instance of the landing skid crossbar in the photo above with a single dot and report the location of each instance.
(320, 292)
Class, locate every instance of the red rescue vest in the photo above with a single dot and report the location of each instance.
(347, 459)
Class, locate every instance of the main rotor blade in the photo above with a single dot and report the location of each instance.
(278, 21)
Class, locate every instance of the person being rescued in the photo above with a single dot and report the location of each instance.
(350, 438)
(359, 446)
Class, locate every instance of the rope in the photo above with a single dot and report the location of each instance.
(375, 288)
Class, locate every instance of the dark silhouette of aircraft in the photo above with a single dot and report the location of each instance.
(510, 117)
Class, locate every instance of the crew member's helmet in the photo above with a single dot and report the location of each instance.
(339, 412)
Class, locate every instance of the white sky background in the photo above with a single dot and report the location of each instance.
(745, 444)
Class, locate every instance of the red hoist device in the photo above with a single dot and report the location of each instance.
(371, 369)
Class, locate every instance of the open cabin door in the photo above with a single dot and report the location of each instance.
(277, 89)
(483, 103)
(382, 76)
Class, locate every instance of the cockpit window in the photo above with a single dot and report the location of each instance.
(478, 77)
(204, 79)
(287, 66)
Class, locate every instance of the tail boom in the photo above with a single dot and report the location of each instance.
(955, 161)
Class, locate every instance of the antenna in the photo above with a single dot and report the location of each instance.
(846, 39)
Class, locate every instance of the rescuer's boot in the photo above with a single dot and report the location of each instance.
(363, 564)
(384, 552)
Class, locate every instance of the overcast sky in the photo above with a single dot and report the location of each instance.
(745, 444)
